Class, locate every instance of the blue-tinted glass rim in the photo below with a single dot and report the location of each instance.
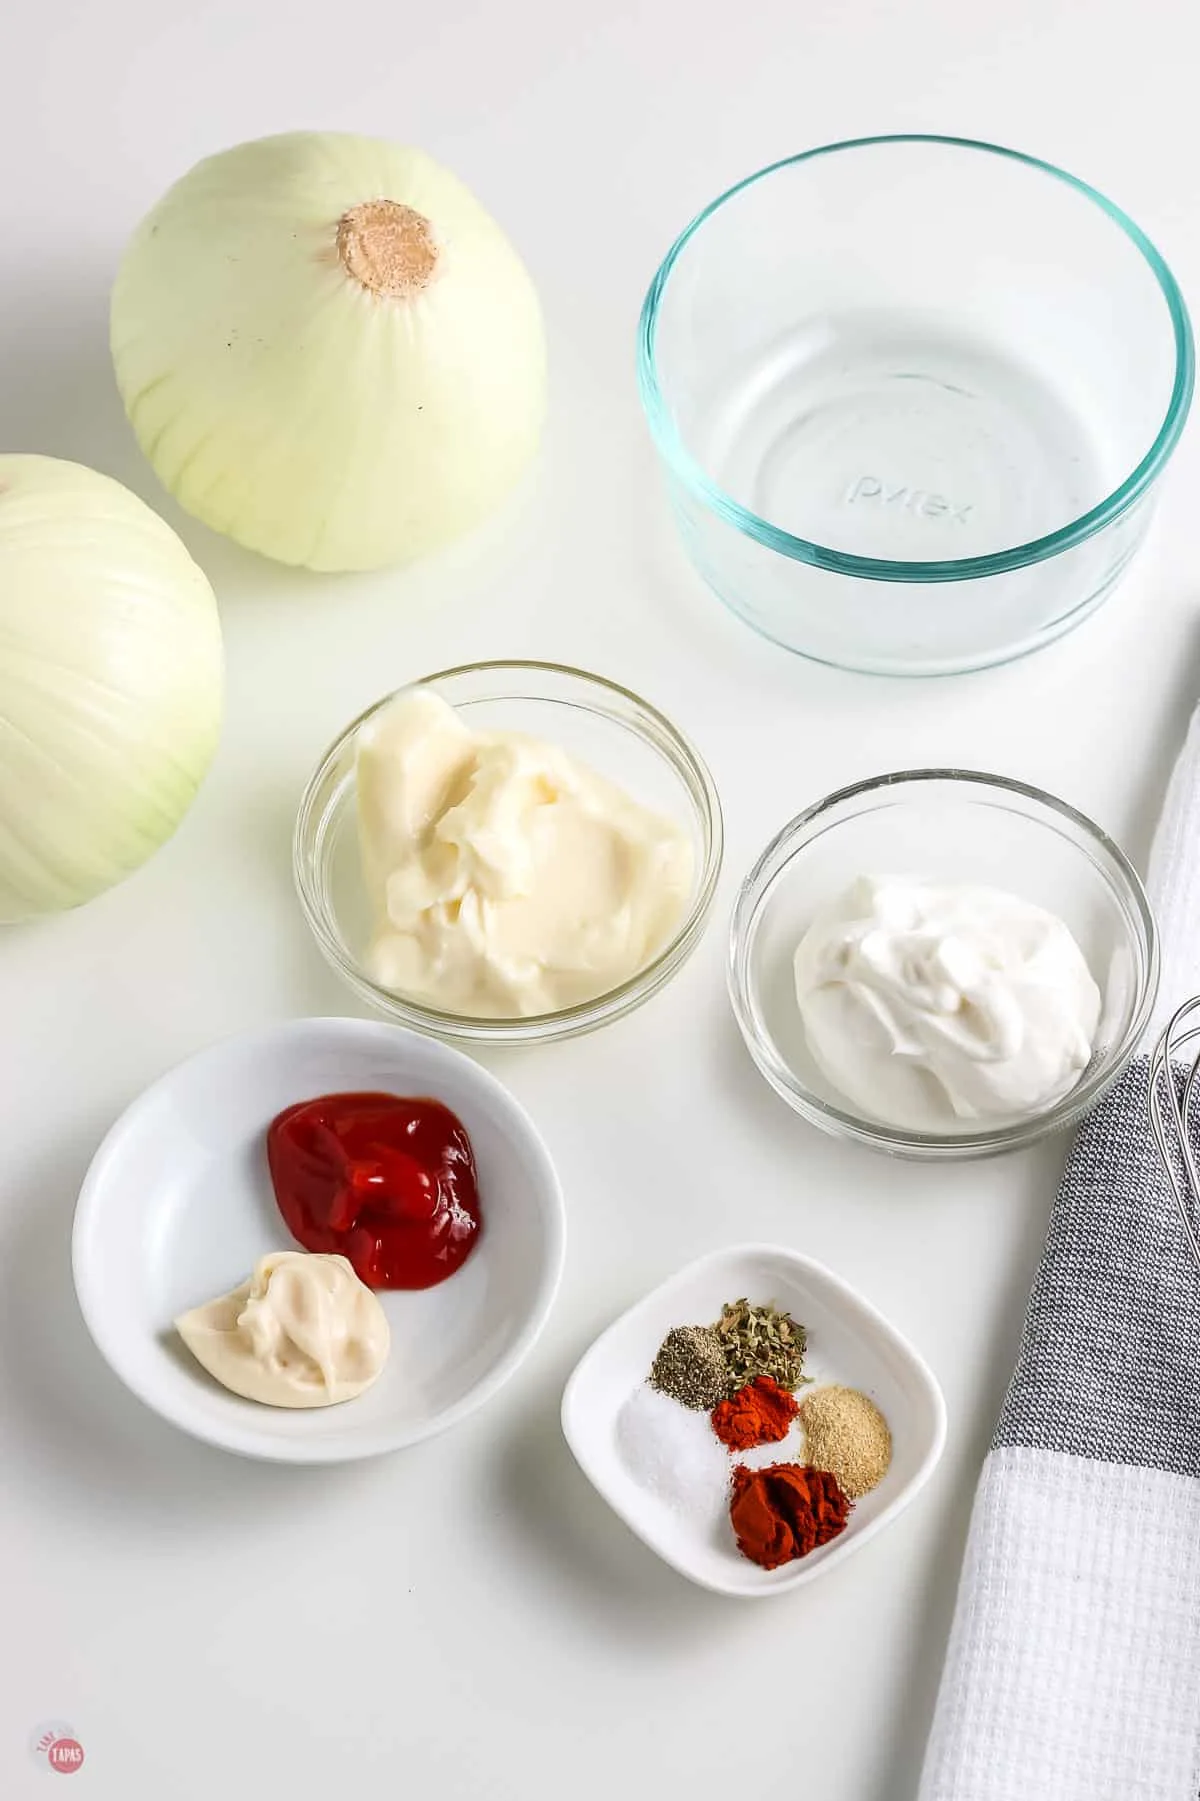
(688, 471)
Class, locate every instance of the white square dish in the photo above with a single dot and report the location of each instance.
(848, 1342)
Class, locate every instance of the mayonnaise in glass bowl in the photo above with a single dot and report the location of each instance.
(953, 827)
(603, 725)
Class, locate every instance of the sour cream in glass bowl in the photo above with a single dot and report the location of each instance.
(960, 832)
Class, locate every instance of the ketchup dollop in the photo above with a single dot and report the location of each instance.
(387, 1182)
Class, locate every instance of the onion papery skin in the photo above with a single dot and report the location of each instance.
(110, 683)
(293, 407)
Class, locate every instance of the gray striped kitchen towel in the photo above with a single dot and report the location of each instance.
(1073, 1670)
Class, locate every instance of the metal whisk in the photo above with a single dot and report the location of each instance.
(1172, 1114)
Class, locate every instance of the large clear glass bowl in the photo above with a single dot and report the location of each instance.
(601, 723)
(913, 395)
(950, 825)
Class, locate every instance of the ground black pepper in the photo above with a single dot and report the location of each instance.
(691, 1367)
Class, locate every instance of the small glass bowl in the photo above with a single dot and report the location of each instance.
(602, 724)
(951, 825)
(913, 396)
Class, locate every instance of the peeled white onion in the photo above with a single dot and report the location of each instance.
(328, 350)
(110, 683)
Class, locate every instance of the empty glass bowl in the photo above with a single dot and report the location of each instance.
(952, 826)
(912, 395)
(603, 725)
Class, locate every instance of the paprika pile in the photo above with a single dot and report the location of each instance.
(785, 1511)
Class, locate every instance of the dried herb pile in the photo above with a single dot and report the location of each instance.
(761, 1341)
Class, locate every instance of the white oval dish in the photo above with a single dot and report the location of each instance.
(849, 1342)
(177, 1206)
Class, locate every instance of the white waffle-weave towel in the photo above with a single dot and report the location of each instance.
(1073, 1670)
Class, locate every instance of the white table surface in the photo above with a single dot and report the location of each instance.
(468, 1617)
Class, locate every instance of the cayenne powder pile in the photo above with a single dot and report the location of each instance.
(785, 1511)
(758, 1414)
